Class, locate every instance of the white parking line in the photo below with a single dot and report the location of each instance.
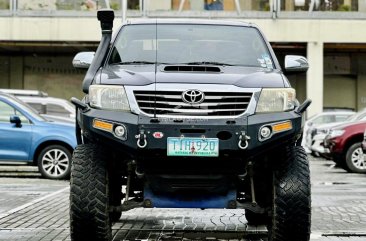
(17, 209)
(314, 236)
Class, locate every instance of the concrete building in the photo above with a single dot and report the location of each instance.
(39, 38)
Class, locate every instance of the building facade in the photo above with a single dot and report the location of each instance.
(39, 38)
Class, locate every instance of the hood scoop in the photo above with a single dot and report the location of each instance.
(191, 68)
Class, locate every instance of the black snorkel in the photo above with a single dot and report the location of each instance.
(106, 17)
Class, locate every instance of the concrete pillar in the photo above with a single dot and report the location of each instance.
(362, 6)
(16, 72)
(315, 77)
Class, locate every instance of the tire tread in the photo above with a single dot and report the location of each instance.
(89, 214)
(292, 198)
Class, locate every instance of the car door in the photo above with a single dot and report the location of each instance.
(15, 142)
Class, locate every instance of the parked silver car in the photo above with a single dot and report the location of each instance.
(320, 119)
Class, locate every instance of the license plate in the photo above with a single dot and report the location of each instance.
(185, 146)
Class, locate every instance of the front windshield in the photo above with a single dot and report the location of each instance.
(358, 116)
(191, 44)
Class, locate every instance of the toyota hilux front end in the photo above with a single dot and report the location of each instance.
(189, 113)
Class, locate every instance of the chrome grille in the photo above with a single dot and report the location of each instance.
(171, 103)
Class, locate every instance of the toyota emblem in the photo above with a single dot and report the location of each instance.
(193, 96)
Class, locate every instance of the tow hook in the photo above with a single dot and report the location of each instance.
(243, 138)
(141, 139)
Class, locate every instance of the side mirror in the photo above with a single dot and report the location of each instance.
(16, 120)
(83, 60)
(296, 63)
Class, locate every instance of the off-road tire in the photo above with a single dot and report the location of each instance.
(89, 200)
(355, 149)
(291, 205)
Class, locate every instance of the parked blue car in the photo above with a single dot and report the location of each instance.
(25, 136)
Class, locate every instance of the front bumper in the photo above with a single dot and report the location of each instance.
(318, 144)
(228, 131)
(334, 145)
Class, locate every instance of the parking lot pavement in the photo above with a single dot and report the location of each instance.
(339, 213)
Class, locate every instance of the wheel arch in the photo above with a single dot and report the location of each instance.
(354, 139)
(44, 144)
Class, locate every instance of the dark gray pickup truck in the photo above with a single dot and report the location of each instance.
(188, 114)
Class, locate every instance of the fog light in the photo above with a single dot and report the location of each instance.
(120, 131)
(265, 132)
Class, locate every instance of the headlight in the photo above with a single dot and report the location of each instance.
(276, 100)
(335, 133)
(108, 97)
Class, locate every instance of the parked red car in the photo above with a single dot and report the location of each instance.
(344, 142)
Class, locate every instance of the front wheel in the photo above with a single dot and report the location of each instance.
(89, 190)
(291, 203)
(355, 159)
(54, 162)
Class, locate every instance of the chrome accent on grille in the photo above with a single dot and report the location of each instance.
(170, 103)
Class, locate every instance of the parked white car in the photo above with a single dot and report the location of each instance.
(319, 119)
(52, 108)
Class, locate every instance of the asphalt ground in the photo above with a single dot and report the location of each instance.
(36, 209)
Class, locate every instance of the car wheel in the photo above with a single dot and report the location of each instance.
(355, 159)
(54, 162)
(291, 202)
(89, 195)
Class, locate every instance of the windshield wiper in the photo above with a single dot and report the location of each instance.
(208, 62)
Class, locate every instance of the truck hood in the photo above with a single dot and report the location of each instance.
(245, 77)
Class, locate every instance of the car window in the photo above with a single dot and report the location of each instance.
(6, 111)
(57, 110)
(357, 116)
(324, 119)
(38, 107)
(363, 117)
(340, 118)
